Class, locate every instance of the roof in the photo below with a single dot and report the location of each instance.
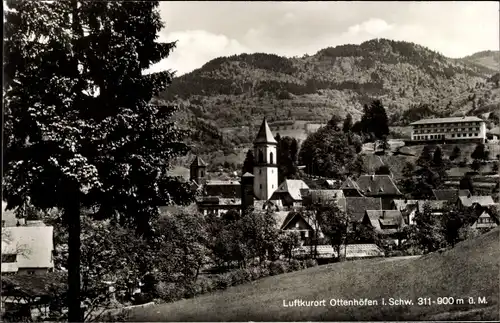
(265, 136)
(33, 285)
(446, 120)
(352, 251)
(228, 189)
(319, 196)
(403, 204)
(292, 187)
(481, 200)
(385, 221)
(247, 174)
(494, 131)
(375, 185)
(491, 215)
(34, 245)
(280, 218)
(349, 184)
(450, 195)
(198, 162)
(355, 207)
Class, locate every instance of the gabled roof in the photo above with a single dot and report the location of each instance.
(385, 221)
(446, 120)
(247, 174)
(321, 196)
(355, 207)
(198, 162)
(34, 245)
(292, 187)
(349, 183)
(264, 136)
(377, 185)
(450, 195)
(481, 200)
(311, 222)
(494, 131)
(485, 213)
(281, 218)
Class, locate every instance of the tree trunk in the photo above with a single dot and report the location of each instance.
(72, 215)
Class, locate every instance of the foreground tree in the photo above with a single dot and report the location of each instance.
(374, 120)
(79, 127)
(287, 151)
(334, 225)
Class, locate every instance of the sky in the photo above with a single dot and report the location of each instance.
(206, 30)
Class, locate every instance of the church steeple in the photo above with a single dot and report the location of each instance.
(266, 166)
(197, 170)
(265, 136)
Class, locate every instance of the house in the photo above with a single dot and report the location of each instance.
(27, 249)
(352, 251)
(322, 196)
(355, 207)
(437, 206)
(408, 209)
(290, 193)
(381, 186)
(450, 195)
(350, 188)
(388, 223)
(214, 205)
(225, 189)
(305, 226)
(453, 129)
(493, 134)
(483, 201)
(486, 220)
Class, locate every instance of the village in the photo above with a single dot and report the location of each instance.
(243, 162)
(370, 201)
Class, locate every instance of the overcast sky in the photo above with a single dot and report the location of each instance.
(206, 30)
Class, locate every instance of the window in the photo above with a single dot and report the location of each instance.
(452, 135)
(260, 171)
(9, 257)
(271, 158)
(261, 156)
(31, 272)
(272, 186)
(202, 174)
(260, 186)
(470, 135)
(475, 134)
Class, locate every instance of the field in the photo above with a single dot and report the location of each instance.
(468, 270)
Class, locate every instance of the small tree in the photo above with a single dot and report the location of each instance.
(289, 240)
(437, 158)
(479, 152)
(466, 184)
(334, 225)
(346, 127)
(455, 154)
(425, 158)
(476, 165)
(428, 230)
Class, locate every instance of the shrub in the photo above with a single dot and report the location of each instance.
(223, 281)
(255, 272)
(240, 276)
(169, 292)
(278, 267)
(311, 263)
(206, 284)
(192, 289)
(296, 265)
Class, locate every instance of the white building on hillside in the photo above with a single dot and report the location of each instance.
(456, 129)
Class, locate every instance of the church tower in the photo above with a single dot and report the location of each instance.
(265, 168)
(198, 170)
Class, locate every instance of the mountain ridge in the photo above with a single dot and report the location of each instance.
(239, 90)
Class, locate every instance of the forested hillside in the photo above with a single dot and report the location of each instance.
(411, 81)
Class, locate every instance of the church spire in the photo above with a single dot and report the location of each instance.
(265, 136)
